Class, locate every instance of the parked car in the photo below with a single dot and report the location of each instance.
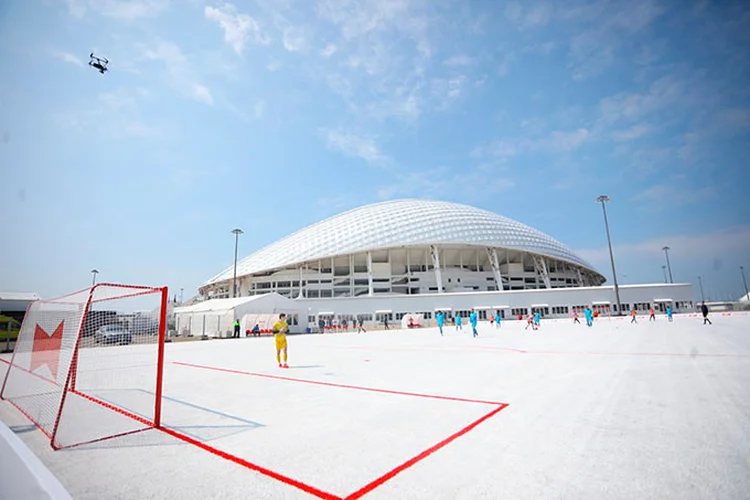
(113, 334)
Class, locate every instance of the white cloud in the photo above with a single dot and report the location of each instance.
(67, 57)
(565, 141)
(439, 182)
(554, 142)
(708, 245)
(354, 145)
(632, 133)
(180, 75)
(273, 65)
(670, 196)
(459, 61)
(124, 10)
(605, 28)
(144, 131)
(329, 50)
(238, 28)
(293, 40)
(524, 16)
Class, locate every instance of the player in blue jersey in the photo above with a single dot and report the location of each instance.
(440, 321)
(473, 319)
(458, 322)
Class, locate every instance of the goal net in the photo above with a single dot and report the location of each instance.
(88, 366)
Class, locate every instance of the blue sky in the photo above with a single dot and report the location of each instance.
(271, 115)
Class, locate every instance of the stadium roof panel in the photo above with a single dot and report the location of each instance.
(401, 223)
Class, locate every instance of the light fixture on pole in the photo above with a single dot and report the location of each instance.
(744, 282)
(181, 295)
(94, 272)
(603, 199)
(669, 267)
(700, 283)
(664, 269)
(236, 233)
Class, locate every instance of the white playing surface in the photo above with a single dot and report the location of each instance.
(648, 411)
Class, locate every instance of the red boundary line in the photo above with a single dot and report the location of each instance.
(342, 386)
(429, 451)
(369, 486)
(244, 463)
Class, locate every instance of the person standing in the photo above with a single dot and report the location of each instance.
(575, 317)
(669, 313)
(236, 334)
(589, 316)
(537, 319)
(280, 329)
(440, 321)
(704, 311)
(497, 320)
(651, 314)
(633, 315)
(361, 325)
(458, 322)
(473, 320)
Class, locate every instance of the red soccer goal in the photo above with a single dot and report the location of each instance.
(88, 366)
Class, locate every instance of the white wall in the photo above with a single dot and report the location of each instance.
(22, 474)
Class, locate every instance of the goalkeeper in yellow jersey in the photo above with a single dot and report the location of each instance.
(280, 329)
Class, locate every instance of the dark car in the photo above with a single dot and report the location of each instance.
(113, 334)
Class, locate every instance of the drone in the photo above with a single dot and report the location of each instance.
(99, 63)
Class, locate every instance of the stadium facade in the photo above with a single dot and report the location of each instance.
(415, 256)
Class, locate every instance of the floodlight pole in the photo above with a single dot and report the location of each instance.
(236, 233)
(94, 272)
(700, 283)
(181, 295)
(664, 269)
(669, 267)
(744, 282)
(603, 199)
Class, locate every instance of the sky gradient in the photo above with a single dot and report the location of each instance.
(272, 115)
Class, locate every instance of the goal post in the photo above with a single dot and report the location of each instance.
(88, 366)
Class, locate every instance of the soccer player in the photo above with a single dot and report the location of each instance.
(704, 311)
(652, 314)
(537, 318)
(633, 315)
(497, 320)
(669, 313)
(458, 322)
(575, 317)
(280, 329)
(473, 320)
(440, 320)
(589, 316)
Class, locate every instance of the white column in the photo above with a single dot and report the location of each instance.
(369, 274)
(492, 255)
(434, 253)
(408, 273)
(543, 271)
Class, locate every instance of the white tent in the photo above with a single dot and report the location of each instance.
(215, 317)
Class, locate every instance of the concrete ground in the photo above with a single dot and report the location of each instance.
(617, 411)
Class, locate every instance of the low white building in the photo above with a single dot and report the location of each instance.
(215, 318)
(551, 303)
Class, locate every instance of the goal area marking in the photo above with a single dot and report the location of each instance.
(372, 485)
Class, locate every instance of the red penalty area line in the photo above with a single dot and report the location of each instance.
(342, 386)
(244, 463)
(429, 451)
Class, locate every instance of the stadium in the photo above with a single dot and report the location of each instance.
(395, 258)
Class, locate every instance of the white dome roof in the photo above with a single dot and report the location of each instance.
(401, 223)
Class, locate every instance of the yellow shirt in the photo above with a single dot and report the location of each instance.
(280, 328)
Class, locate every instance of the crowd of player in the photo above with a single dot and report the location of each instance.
(533, 321)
